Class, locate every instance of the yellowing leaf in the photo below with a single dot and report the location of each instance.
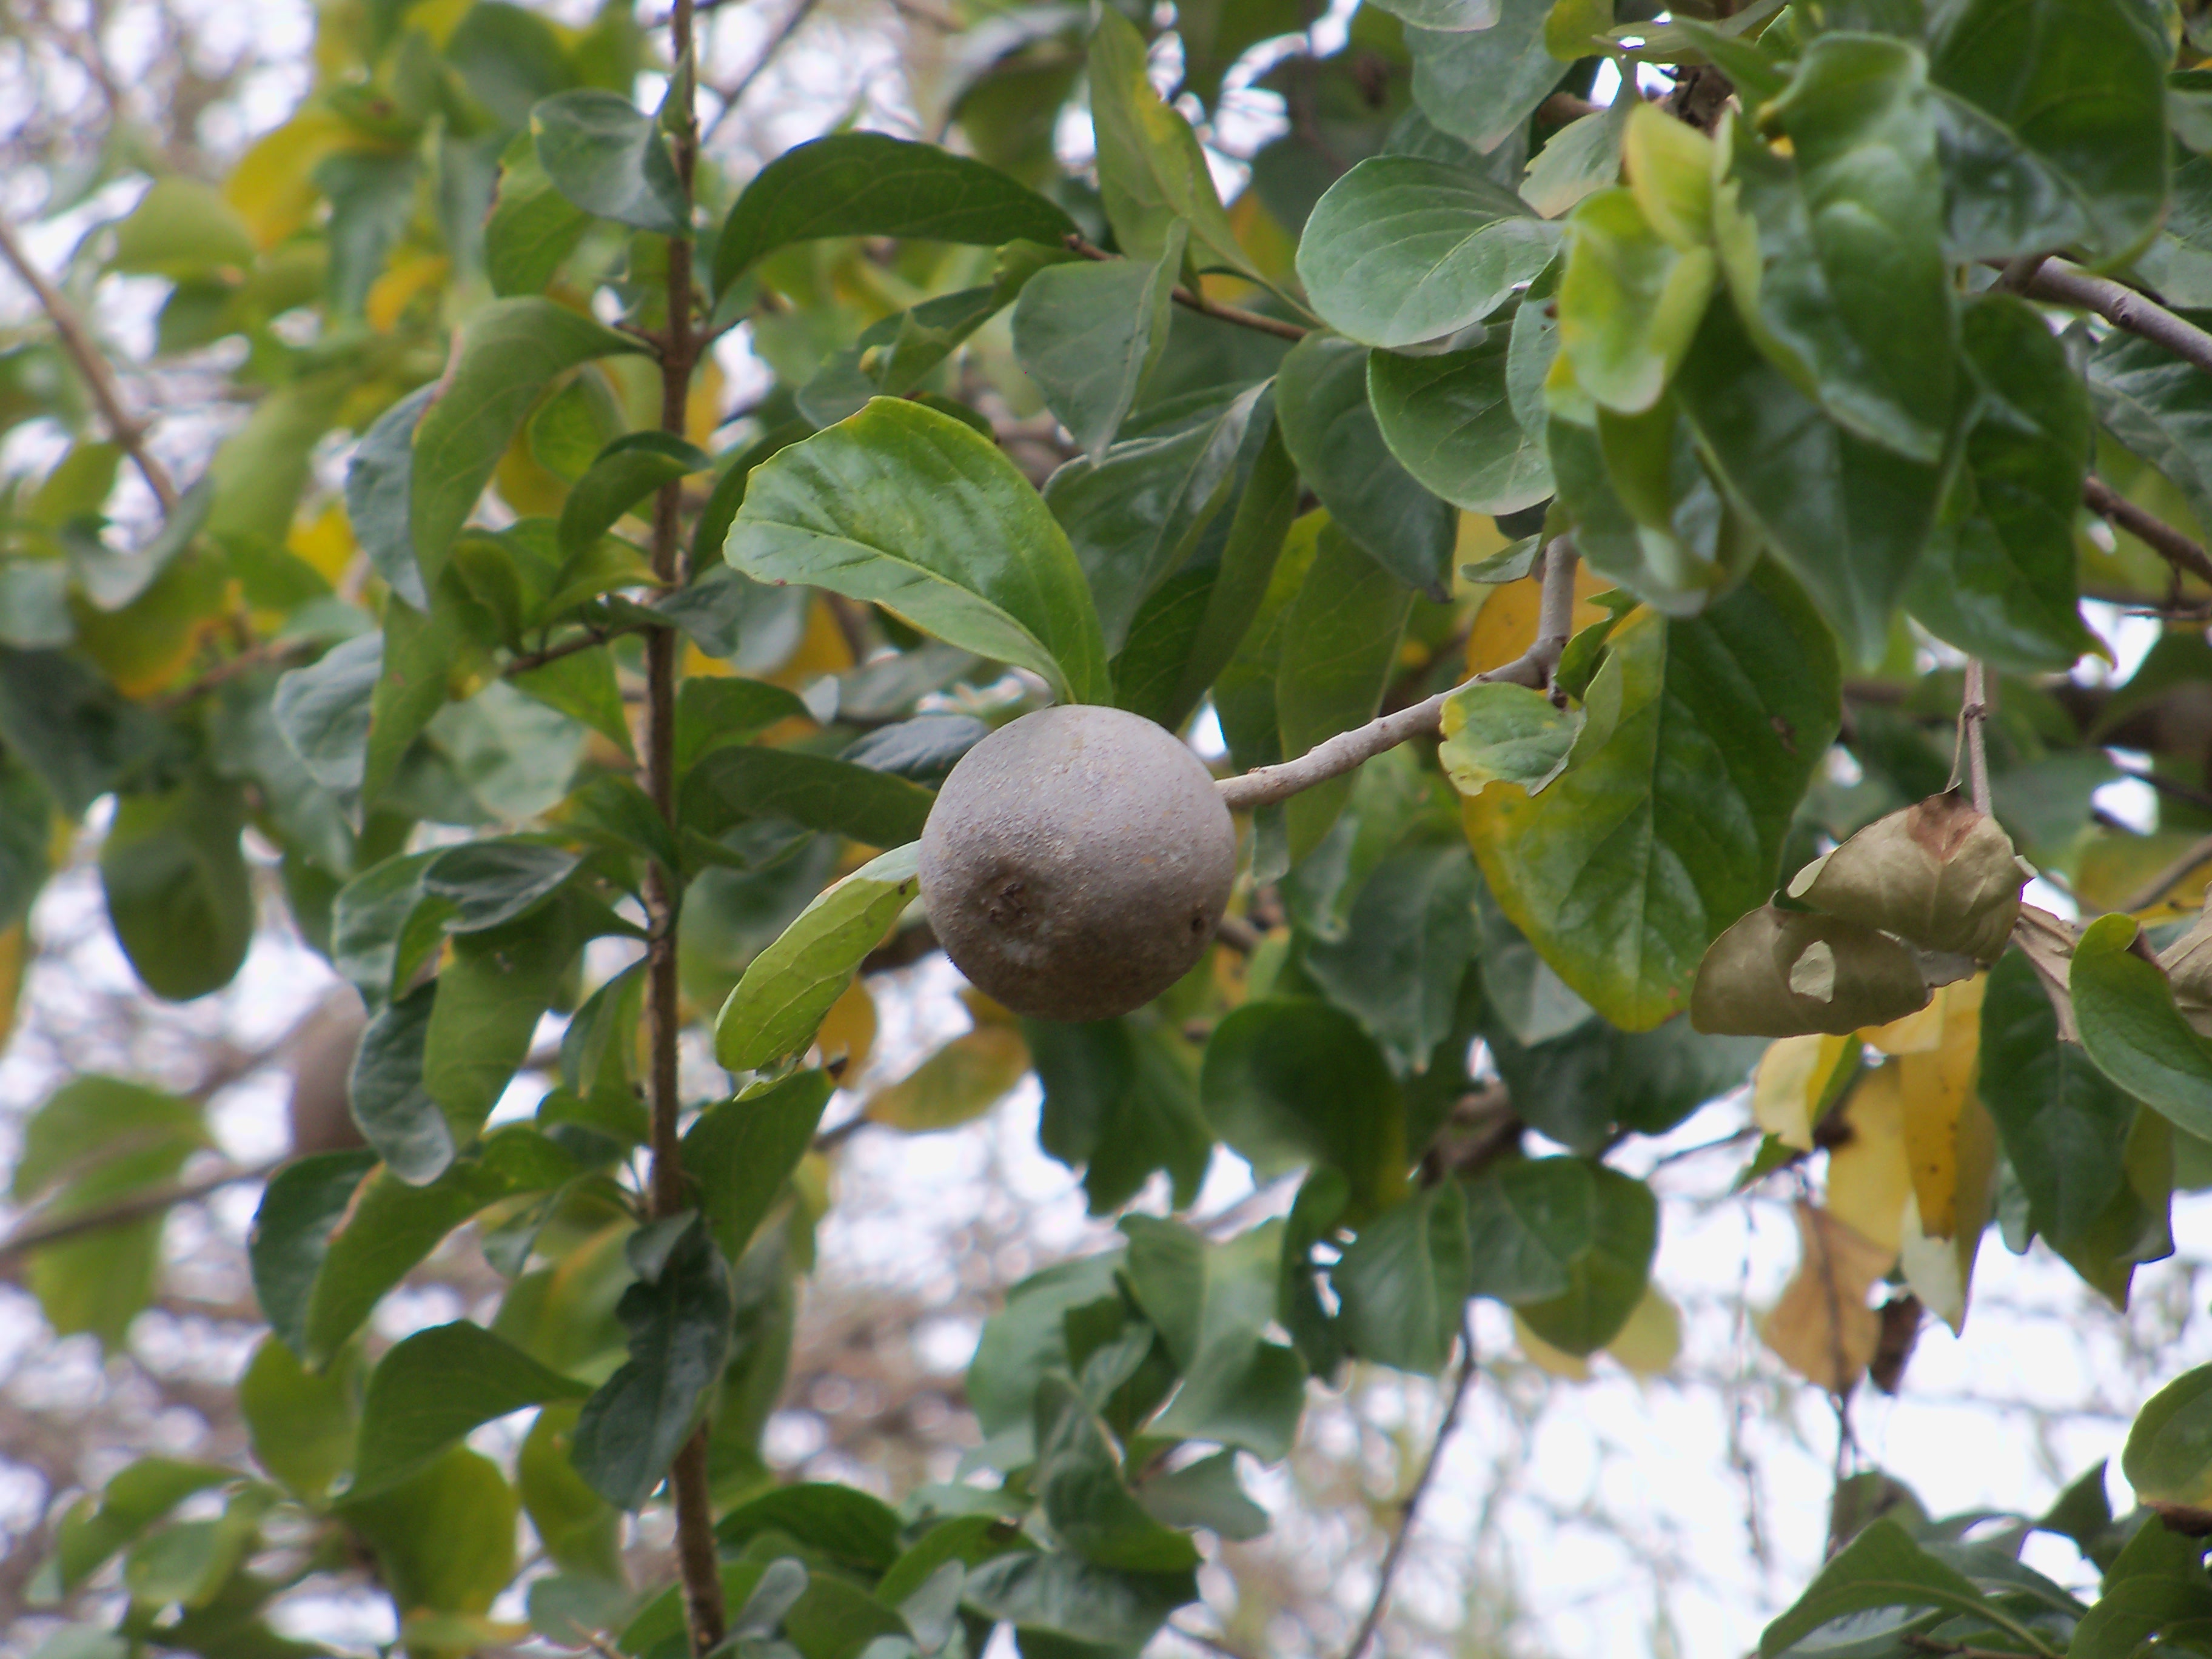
(325, 541)
(960, 1082)
(1822, 1326)
(703, 409)
(13, 952)
(849, 1029)
(1935, 1084)
(273, 185)
(1506, 624)
(821, 650)
(1868, 1176)
(2113, 869)
(1651, 1340)
(405, 278)
(1793, 1079)
(1542, 1355)
(1917, 1033)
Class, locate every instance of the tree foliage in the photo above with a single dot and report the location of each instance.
(1738, 462)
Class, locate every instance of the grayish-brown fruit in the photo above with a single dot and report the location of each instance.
(1076, 862)
(322, 1065)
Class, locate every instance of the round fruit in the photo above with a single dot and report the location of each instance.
(322, 1065)
(1076, 862)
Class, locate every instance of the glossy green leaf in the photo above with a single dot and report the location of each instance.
(742, 780)
(911, 509)
(1998, 577)
(1206, 1494)
(1078, 1480)
(2133, 1031)
(1152, 171)
(1118, 1104)
(1582, 157)
(532, 228)
(1331, 431)
(1882, 1567)
(2160, 407)
(1401, 1283)
(1496, 732)
(1480, 85)
(677, 1315)
(623, 475)
(581, 686)
(134, 1498)
(1605, 1281)
(1529, 1221)
(1090, 332)
(1028, 1337)
(323, 711)
(1848, 517)
(742, 1152)
(1289, 1082)
(435, 1387)
(1698, 736)
(1338, 647)
(1403, 251)
(1848, 286)
(1446, 14)
(1138, 515)
(1579, 1084)
(2062, 139)
(851, 1527)
(301, 1424)
(1406, 943)
(2168, 1459)
(68, 723)
(371, 198)
(508, 353)
(379, 481)
(1449, 421)
(610, 159)
(444, 1540)
(869, 184)
(1629, 302)
(384, 927)
(385, 1089)
(491, 993)
(181, 227)
(178, 892)
(580, 1531)
(1064, 1596)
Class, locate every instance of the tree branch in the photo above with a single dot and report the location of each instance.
(1200, 303)
(2061, 283)
(2198, 853)
(133, 1207)
(1265, 785)
(1973, 715)
(131, 435)
(1396, 1552)
(2153, 532)
(735, 95)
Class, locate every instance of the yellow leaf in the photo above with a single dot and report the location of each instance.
(147, 646)
(1506, 624)
(2113, 869)
(13, 952)
(325, 541)
(526, 483)
(1545, 1357)
(849, 1029)
(1793, 1079)
(960, 1082)
(821, 650)
(1937, 1081)
(273, 187)
(1868, 1176)
(1941, 1271)
(1916, 1033)
(696, 661)
(1651, 1340)
(1822, 1326)
(407, 277)
(703, 409)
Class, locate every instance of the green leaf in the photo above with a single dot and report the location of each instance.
(1630, 301)
(2133, 1031)
(1067, 1596)
(2063, 1122)
(1882, 1567)
(300, 1424)
(1848, 285)
(677, 1315)
(743, 780)
(1404, 947)
(1078, 1480)
(1118, 1103)
(1998, 577)
(1028, 1337)
(897, 353)
(1090, 332)
(182, 228)
(867, 184)
(69, 725)
(390, 1105)
(1289, 1081)
(850, 1527)
(487, 884)
(371, 198)
(1447, 14)
(1606, 1282)
(1403, 251)
(1480, 85)
(491, 996)
(581, 686)
(533, 226)
(2168, 1459)
(1700, 738)
(1583, 156)
(323, 711)
(1331, 431)
(1138, 515)
(911, 509)
(1529, 1221)
(1848, 517)
(177, 888)
(742, 1152)
(581, 1531)
(788, 987)
(1152, 171)
(435, 1387)
(509, 352)
(2062, 139)
(1449, 421)
(2158, 406)
(623, 474)
(377, 482)
(444, 1539)
(1496, 732)
(1576, 1086)
(384, 927)
(609, 158)
(134, 1498)
(1403, 1280)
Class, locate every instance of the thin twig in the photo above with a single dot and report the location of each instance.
(129, 434)
(131, 1208)
(2160, 884)
(272, 654)
(776, 42)
(2153, 532)
(1200, 303)
(1973, 715)
(2064, 284)
(1265, 785)
(591, 637)
(1395, 1553)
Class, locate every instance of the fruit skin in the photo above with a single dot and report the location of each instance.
(1076, 862)
(322, 1068)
